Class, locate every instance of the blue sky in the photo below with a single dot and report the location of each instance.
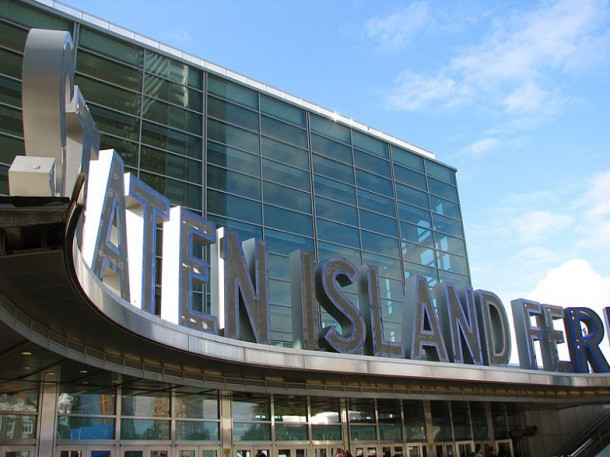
(514, 94)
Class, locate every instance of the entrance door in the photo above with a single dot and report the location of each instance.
(84, 451)
(197, 451)
(17, 451)
(465, 448)
(251, 451)
(366, 450)
(146, 451)
(291, 451)
(417, 450)
(392, 450)
(444, 449)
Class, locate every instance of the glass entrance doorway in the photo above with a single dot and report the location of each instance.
(84, 451)
(196, 451)
(145, 451)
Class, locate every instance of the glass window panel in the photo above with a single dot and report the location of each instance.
(11, 120)
(287, 197)
(413, 269)
(329, 250)
(233, 136)
(441, 420)
(386, 265)
(10, 90)
(115, 123)
(333, 169)
(290, 408)
(106, 95)
(414, 215)
(390, 432)
(4, 180)
(171, 165)
(171, 115)
(9, 148)
(336, 211)
(12, 37)
(335, 190)
(332, 149)
(361, 411)
(243, 229)
(23, 401)
(10, 63)
(232, 113)
(109, 71)
(391, 288)
(363, 433)
(85, 428)
(446, 225)
(197, 431)
(289, 221)
(412, 196)
(444, 207)
(324, 410)
(418, 254)
(440, 171)
(407, 158)
(282, 152)
(236, 183)
(479, 421)
(449, 243)
(285, 243)
(374, 183)
(388, 411)
(34, 17)
(452, 263)
(375, 202)
(279, 267)
(282, 131)
(326, 432)
(224, 204)
(17, 427)
(173, 70)
(198, 406)
(176, 94)
(166, 138)
(379, 244)
(370, 144)
(290, 432)
(109, 46)
(279, 292)
(282, 110)
(146, 405)
(250, 407)
(85, 403)
(498, 418)
(233, 159)
(178, 192)
(410, 177)
(232, 91)
(378, 223)
(459, 281)
(329, 128)
(126, 149)
(371, 163)
(415, 423)
(416, 234)
(284, 174)
(460, 413)
(442, 189)
(338, 233)
(144, 429)
(247, 431)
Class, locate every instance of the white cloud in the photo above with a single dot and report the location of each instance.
(535, 226)
(414, 92)
(482, 147)
(392, 32)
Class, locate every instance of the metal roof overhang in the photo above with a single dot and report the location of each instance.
(50, 299)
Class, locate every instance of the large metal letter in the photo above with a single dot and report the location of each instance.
(146, 208)
(496, 332)
(459, 323)
(421, 331)
(527, 333)
(183, 269)
(371, 306)
(330, 277)
(245, 288)
(584, 344)
(105, 232)
(305, 318)
(550, 354)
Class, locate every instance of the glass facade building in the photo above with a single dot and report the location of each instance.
(266, 165)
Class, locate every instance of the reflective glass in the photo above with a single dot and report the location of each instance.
(232, 113)
(197, 431)
(441, 420)
(233, 159)
(363, 432)
(446, 225)
(109, 46)
(418, 254)
(282, 131)
(24, 14)
(333, 169)
(378, 223)
(498, 419)
(279, 267)
(166, 138)
(416, 234)
(371, 163)
(173, 70)
(85, 428)
(370, 144)
(244, 230)
(459, 281)
(479, 421)
(374, 183)
(287, 197)
(10, 91)
(106, 95)
(326, 432)
(449, 243)
(413, 269)
(178, 192)
(12, 37)
(279, 292)
(127, 150)
(440, 171)
(379, 244)
(442, 189)
(236, 183)
(407, 158)
(452, 263)
(415, 423)
(290, 432)
(11, 120)
(108, 70)
(282, 110)
(247, 431)
(250, 407)
(17, 427)
(444, 207)
(290, 408)
(387, 266)
(115, 123)
(10, 64)
(390, 432)
(375, 202)
(224, 204)
(170, 164)
(23, 401)
(170, 92)
(73, 401)
(197, 406)
(232, 91)
(233, 136)
(329, 250)
(289, 221)
(336, 211)
(460, 414)
(144, 429)
(338, 233)
(285, 243)
(329, 128)
(410, 177)
(146, 405)
(332, 149)
(412, 196)
(171, 115)
(9, 148)
(324, 410)
(283, 174)
(283, 152)
(414, 215)
(335, 190)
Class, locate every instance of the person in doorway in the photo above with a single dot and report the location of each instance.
(478, 451)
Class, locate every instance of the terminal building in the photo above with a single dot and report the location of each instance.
(332, 329)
